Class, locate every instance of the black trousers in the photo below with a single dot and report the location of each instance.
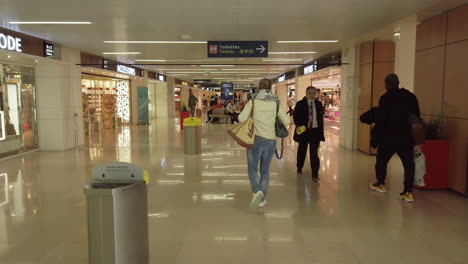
(385, 153)
(234, 117)
(311, 139)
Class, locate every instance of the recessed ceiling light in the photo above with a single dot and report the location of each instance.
(122, 53)
(217, 65)
(292, 52)
(282, 59)
(154, 42)
(150, 60)
(50, 23)
(307, 41)
(9, 56)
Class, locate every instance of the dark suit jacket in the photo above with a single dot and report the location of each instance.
(395, 107)
(301, 118)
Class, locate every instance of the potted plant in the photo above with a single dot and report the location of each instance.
(435, 149)
(184, 113)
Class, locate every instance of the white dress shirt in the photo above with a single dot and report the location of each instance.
(315, 114)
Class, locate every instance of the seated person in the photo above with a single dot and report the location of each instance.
(233, 111)
(210, 111)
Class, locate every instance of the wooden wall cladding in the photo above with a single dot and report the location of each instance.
(456, 80)
(458, 145)
(431, 33)
(381, 71)
(366, 53)
(363, 134)
(457, 25)
(365, 86)
(384, 51)
(429, 80)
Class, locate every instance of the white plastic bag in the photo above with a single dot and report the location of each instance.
(420, 167)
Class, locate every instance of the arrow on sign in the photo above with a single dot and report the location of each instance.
(262, 49)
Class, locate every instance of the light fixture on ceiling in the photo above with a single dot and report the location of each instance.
(149, 60)
(50, 22)
(307, 41)
(243, 69)
(217, 65)
(153, 42)
(282, 59)
(185, 69)
(122, 53)
(291, 52)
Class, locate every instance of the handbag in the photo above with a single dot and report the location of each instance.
(244, 133)
(281, 132)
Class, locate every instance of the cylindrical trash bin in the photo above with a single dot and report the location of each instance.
(192, 136)
(117, 215)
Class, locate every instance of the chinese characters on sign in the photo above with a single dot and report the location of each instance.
(236, 49)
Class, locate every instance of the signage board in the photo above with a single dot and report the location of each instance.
(142, 73)
(125, 69)
(202, 82)
(48, 49)
(162, 77)
(282, 78)
(237, 49)
(8, 42)
(185, 83)
(227, 91)
(243, 85)
(309, 69)
(105, 64)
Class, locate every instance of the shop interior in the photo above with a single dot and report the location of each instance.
(106, 102)
(18, 124)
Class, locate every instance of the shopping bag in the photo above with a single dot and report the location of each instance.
(244, 133)
(420, 167)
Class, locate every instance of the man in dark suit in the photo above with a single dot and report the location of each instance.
(393, 115)
(309, 115)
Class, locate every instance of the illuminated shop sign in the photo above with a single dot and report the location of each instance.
(8, 42)
(309, 69)
(162, 78)
(126, 70)
(105, 64)
(185, 83)
(2, 126)
(282, 78)
(48, 49)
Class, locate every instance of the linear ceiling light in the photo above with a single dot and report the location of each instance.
(307, 41)
(50, 23)
(153, 42)
(122, 53)
(292, 52)
(150, 60)
(217, 65)
(282, 59)
(185, 69)
(243, 69)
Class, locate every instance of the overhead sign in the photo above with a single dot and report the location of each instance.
(237, 49)
(8, 42)
(126, 70)
(202, 82)
(48, 49)
(243, 85)
(309, 69)
(162, 77)
(105, 64)
(282, 78)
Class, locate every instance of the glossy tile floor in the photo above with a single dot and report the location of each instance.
(198, 206)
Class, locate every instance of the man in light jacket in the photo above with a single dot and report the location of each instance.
(264, 117)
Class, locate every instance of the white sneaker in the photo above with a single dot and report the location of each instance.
(262, 204)
(257, 197)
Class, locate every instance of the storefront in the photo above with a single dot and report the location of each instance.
(19, 54)
(106, 102)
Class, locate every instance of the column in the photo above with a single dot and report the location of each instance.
(58, 100)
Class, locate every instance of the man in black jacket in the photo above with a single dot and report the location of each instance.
(308, 114)
(395, 108)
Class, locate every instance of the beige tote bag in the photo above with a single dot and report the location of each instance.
(244, 133)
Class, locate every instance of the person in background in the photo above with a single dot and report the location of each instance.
(205, 102)
(326, 100)
(308, 116)
(395, 108)
(219, 105)
(264, 117)
(232, 111)
(291, 100)
(193, 101)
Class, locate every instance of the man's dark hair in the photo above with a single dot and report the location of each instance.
(392, 82)
(310, 88)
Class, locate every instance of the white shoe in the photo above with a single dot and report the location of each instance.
(262, 204)
(257, 197)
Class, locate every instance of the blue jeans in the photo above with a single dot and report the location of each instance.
(262, 153)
